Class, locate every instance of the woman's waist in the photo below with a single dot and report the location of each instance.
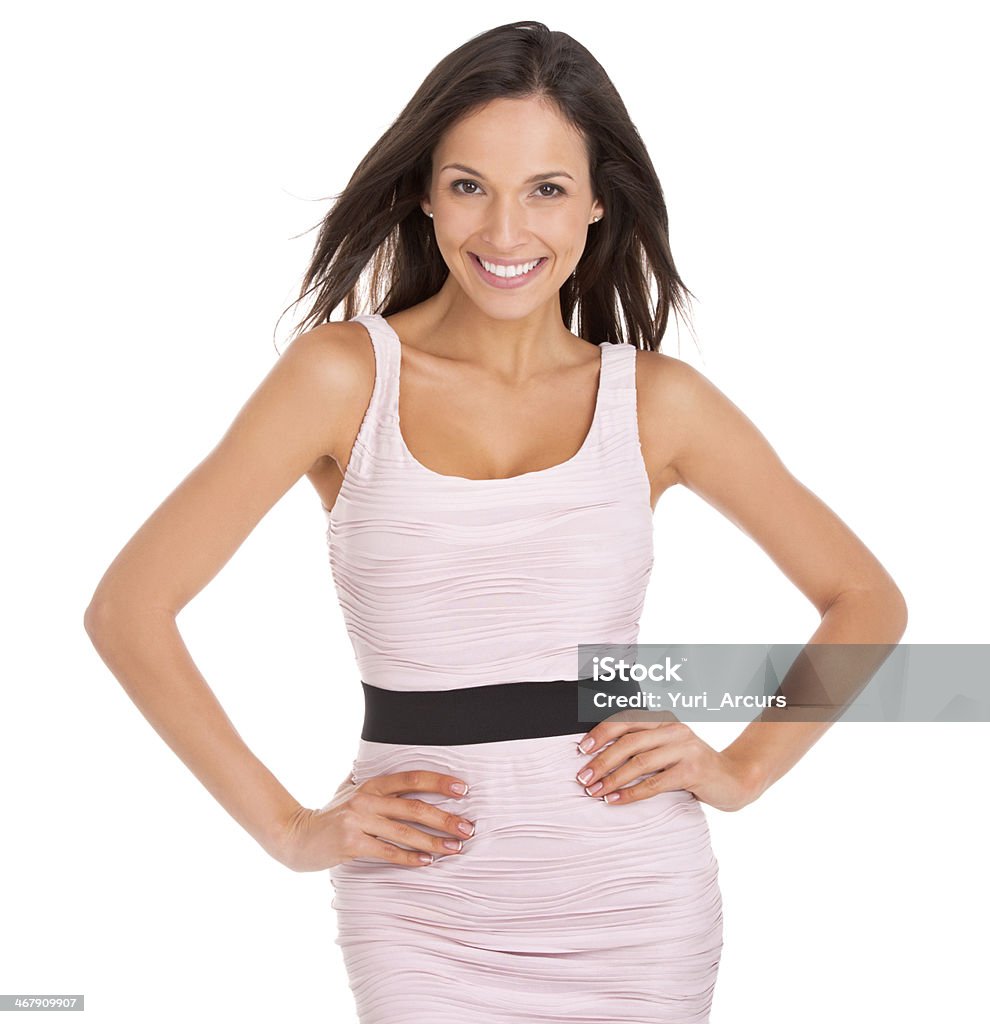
(528, 779)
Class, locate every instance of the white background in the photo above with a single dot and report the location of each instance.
(825, 173)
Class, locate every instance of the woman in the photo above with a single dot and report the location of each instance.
(493, 859)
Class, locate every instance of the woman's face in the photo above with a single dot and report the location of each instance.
(521, 193)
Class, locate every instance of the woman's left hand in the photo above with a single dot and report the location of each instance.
(677, 756)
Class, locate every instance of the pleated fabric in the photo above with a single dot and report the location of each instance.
(562, 908)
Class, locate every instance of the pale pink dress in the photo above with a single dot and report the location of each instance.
(563, 908)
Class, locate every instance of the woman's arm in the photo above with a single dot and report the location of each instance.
(297, 416)
(698, 434)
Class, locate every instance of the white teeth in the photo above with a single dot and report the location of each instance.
(514, 271)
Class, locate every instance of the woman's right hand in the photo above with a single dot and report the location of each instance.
(351, 823)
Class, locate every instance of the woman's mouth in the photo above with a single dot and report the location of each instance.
(514, 276)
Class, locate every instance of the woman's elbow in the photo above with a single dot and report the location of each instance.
(98, 618)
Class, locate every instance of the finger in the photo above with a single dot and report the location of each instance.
(367, 806)
(666, 781)
(381, 850)
(422, 812)
(644, 763)
(632, 743)
(416, 781)
(405, 833)
(630, 720)
(612, 756)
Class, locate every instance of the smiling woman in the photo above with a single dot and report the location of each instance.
(495, 208)
(493, 859)
(567, 157)
(458, 535)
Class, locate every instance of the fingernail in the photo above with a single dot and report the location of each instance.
(610, 798)
(592, 790)
(463, 826)
(453, 844)
(585, 775)
(459, 787)
(426, 858)
(586, 744)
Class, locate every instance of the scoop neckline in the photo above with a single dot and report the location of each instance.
(530, 474)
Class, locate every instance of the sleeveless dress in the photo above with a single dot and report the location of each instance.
(561, 908)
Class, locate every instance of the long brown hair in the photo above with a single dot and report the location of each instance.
(378, 219)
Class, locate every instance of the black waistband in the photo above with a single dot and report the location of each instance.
(484, 714)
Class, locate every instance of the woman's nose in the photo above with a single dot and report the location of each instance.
(505, 226)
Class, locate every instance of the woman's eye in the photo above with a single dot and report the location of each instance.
(473, 187)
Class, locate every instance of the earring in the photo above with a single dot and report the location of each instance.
(430, 215)
(596, 220)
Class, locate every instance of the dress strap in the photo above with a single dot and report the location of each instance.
(618, 388)
(619, 445)
(623, 369)
(374, 437)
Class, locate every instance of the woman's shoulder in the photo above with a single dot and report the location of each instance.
(338, 354)
(338, 360)
(676, 403)
(663, 381)
(666, 382)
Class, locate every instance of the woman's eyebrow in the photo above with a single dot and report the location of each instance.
(478, 174)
